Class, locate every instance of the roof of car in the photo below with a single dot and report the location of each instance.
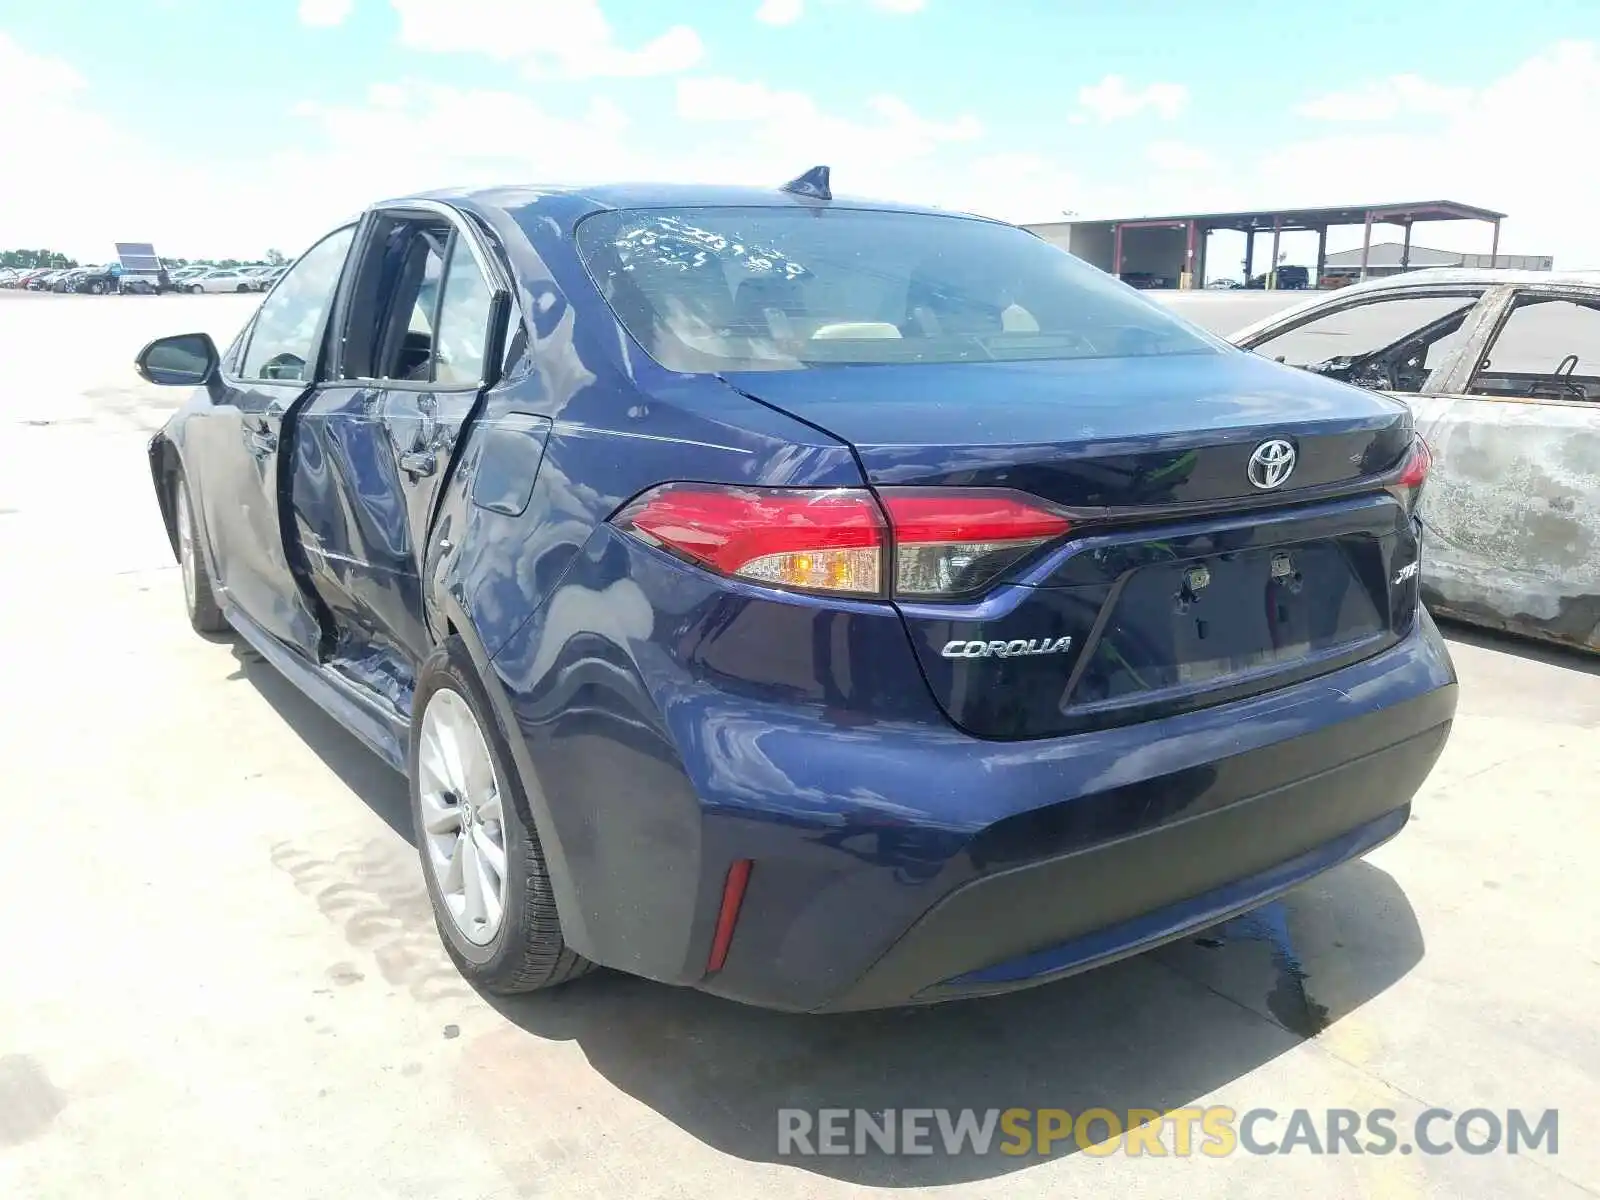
(1435, 276)
(580, 200)
(1423, 280)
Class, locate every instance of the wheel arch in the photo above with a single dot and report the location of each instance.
(532, 803)
(165, 467)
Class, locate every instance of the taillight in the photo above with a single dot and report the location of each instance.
(944, 541)
(949, 542)
(1406, 486)
(818, 540)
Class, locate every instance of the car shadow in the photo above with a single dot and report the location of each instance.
(1551, 654)
(382, 789)
(1156, 1032)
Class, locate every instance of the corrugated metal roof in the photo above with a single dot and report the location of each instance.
(1308, 218)
(1387, 254)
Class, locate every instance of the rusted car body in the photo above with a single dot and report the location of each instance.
(1502, 371)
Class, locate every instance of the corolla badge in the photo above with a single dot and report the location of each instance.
(961, 648)
(1271, 464)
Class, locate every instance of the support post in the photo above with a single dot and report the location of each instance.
(1189, 258)
(1249, 255)
(1366, 246)
(1405, 249)
(1272, 278)
(1494, 246)
(1322, 255)
(1116, 251)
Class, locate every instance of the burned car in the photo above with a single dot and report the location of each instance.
(1501, 370)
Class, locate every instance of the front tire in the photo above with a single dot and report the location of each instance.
(205, 614)
(485, 870)
(196, 288)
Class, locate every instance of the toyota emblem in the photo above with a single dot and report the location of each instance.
(1271, 464)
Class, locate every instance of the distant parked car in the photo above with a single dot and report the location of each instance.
(1145, 280)
(223, 279)
(1224, 284)
(260, 276)
(67, 281)
(1501, 370)
(96, 281)
(1290, 278)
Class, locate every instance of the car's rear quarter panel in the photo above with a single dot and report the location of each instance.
(1512, 510)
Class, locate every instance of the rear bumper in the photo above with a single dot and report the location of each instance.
(896, 859)
(1109, 872)
(1054, 918)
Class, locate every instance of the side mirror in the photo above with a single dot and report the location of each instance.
(182, 360)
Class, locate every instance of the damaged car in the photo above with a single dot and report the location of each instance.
(1502, 371)
(823, 603)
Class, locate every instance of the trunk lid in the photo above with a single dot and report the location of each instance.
(1155, 431)
(1186, 585)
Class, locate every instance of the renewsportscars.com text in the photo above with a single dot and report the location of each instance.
(1213, 1132)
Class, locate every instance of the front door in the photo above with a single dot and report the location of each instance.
(373, 447)
(233, 446)
(1513, 503)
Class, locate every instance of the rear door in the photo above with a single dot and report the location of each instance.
(421, 326)
(232, 446)
(1513, 508)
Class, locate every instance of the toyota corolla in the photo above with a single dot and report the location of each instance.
(823, 603)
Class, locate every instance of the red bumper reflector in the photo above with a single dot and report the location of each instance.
(728, 914)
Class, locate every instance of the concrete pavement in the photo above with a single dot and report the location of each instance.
(221, 976)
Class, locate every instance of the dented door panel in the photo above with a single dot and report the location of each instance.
(1512, 514)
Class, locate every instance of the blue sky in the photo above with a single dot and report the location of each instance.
(227, 128)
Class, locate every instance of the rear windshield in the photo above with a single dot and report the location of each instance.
(720, 289)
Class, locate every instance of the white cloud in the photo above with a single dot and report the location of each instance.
(1113, 100)
(787, 12)
(325, 13)
(1508, 145)
(568, 38)
(234, 201)
(783, 132)
(780, 12)
(1178, 156)
(1384, 99)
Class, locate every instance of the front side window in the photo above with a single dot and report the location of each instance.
(283, 342)
(771, 288)
(1548, 347)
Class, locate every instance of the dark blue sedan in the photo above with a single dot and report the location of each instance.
(826, 604)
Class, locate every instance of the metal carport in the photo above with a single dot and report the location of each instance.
(1105, 242)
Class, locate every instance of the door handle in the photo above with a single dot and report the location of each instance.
(263, 441)
(419, 462)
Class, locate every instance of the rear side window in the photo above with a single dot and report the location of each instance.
(716, 289)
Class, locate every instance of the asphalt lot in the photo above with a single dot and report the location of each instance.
(221, 976)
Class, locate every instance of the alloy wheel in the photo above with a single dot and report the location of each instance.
(463, 820)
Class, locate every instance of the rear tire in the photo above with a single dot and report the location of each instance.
(205, 614)
(196, 288)
(465, 789)
(97, 288)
